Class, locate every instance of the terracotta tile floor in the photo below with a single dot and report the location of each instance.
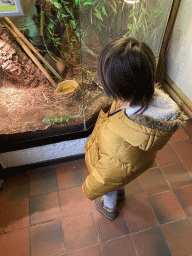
(44, 212)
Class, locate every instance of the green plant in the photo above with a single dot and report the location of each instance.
(104, 16)
(147, 21)
(110, 19)
(67, 18)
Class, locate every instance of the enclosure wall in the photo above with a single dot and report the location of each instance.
(179, 51)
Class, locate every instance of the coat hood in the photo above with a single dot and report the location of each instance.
(154, 127)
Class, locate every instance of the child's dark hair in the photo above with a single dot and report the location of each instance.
(126, 70)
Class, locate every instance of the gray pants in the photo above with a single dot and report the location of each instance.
(111, 198)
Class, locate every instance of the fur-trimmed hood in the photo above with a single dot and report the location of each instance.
(159, 121)
(169, 126)
(162, 113)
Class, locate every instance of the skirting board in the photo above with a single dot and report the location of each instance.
(42, 153)
(5, 173)
(180, 98)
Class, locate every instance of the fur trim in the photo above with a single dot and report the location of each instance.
(162, 113)
(167, 126)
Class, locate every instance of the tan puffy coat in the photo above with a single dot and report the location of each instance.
(121, 148)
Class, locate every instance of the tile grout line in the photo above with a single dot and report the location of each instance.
(142, 186)
(55, 219)
(86, 246)
(134, 244)
(174, 149)
(95, 224)
(170, 223)
(158, 192)
(30, 239)
(182, 162)
(185, 169)
(175, 164)
(91, 212)
(147, 228)
(59, 202)
(63, 217)
(166, 240)
(182, 187)
(171, 165)
(165, 178)
(159, 225)
(168, 181)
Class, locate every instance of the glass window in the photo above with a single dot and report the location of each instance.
(48, 56)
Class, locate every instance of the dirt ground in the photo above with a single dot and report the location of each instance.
(24, 109)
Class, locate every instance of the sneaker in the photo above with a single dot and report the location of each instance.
(109, 213)
(121, 195)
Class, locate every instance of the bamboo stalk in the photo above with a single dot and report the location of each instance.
(15, 29)
(26, 49)
(178, 100)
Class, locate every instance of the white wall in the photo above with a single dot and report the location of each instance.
(179, 51)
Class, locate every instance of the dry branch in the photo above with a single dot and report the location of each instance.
(15, 29)
(16, 64)
(26, 49)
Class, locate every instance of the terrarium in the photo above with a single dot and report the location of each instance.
(48, 78)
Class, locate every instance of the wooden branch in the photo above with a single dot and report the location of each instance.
(29, 53)
(16, 30)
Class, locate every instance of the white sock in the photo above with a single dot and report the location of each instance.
(110, 199)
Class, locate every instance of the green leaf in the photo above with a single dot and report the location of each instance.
(64, 15)
(98, 15)
(73, 23)
(65, 2)
(113, 8)
(50, 25)
(99, 27)
(86, 3)
(57, 5)
(58, 43)
(104, 11)
(69, 11)
(131, 15)
(91, 17)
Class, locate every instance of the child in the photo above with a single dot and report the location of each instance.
(142, 118)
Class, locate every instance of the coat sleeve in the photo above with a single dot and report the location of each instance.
(107, 175)
(107, 171)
